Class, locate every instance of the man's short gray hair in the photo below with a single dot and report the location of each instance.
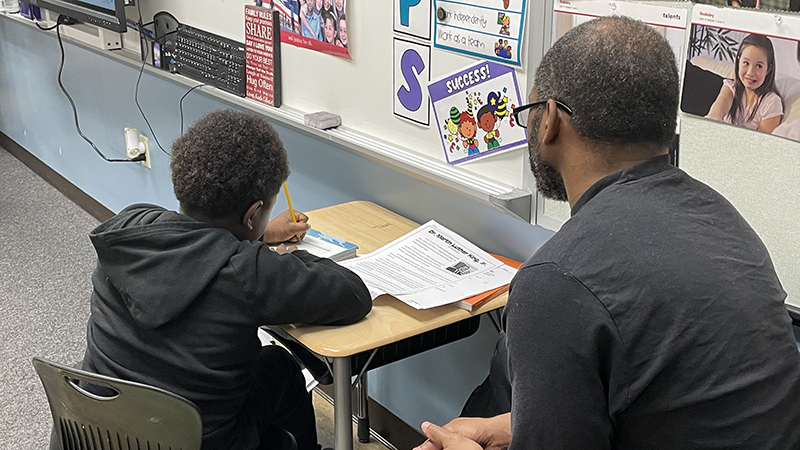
(620, 78)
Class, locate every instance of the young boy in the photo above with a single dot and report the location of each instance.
(179, 296)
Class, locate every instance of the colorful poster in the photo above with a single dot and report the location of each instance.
(412, 62)
(473, 112)
(489, 29)
(319, 25)
(262, 55)
(743, 68)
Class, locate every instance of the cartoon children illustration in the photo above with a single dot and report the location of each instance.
(468, 129)
(487, 121)
(504, 21)
(489, 117)
(502, 49)
(750, 99)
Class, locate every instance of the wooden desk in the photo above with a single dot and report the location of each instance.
(370, 227)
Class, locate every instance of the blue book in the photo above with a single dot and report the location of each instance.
(326, 246)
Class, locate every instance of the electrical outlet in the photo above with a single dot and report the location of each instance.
(143, 140)
(137, 145)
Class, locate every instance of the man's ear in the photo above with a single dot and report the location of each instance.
(551, 122)
(247, 218)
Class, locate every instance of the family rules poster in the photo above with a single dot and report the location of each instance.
(473, 109)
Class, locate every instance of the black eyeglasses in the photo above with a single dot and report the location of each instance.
(521, 112)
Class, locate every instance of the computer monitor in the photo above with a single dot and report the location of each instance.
(109, 14)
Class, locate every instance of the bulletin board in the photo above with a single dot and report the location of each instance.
(361, 90)
(755, 171)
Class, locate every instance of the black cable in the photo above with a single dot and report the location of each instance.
(136, 100)
(180, 103)
(72, 103)
(47, 28)
(143, 38)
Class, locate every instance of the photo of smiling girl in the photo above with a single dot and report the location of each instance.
(751, 100)
(329, 27)
(338, 9)
(341, 41)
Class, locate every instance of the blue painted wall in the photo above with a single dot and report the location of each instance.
(34, 112)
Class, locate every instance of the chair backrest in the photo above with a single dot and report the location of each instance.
(134, 415)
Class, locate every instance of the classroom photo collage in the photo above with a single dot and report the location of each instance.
(323, 20)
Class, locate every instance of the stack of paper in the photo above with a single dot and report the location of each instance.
(430, 266)
(326, 246)
(476, 301)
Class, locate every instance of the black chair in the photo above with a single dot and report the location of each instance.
(132, 415)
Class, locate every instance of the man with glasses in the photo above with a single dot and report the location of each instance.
(654, 318)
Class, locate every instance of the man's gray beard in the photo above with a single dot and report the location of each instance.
(548, 181)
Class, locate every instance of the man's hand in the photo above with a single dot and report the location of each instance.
(491, 434)
(446, 440)
(283, 229)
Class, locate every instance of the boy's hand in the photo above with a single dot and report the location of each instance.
(283, 248)
(282, 229)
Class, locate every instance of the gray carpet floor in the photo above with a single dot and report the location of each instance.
(46, 261)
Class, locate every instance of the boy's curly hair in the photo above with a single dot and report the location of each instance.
(225, 162)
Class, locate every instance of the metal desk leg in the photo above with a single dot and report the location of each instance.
(362, 413)
(342, 406)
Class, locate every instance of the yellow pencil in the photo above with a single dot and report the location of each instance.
(291, 209)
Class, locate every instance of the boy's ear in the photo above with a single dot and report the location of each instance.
(247, 218)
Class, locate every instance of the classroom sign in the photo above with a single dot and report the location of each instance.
(262, 55)
(490, 29)
(412, 62)
(473, 112)
(413, 18)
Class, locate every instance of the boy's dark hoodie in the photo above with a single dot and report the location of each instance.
(177, 303)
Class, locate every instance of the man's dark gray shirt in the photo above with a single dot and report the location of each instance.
(653, 319)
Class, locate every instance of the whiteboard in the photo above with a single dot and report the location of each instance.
(360, 91)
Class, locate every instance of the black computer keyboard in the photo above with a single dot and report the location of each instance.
(212, 59)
